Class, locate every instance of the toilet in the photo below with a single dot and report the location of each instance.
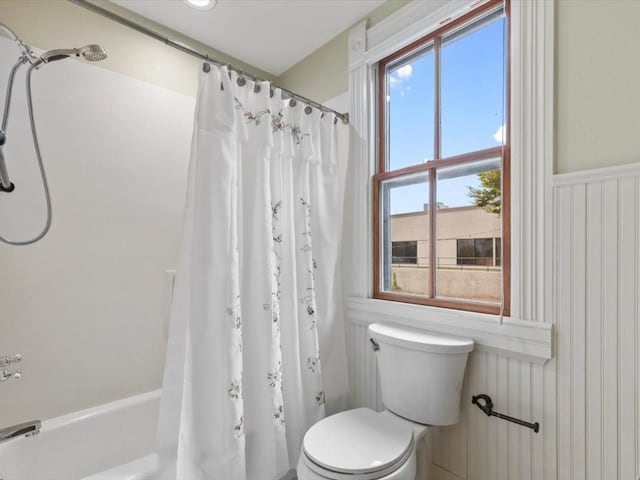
(421, 375)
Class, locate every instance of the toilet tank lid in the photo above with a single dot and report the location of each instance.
(419, 339)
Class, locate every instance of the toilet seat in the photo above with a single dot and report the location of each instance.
(407, 463)
(358, 444)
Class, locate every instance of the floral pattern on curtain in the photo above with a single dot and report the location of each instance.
(256, 319)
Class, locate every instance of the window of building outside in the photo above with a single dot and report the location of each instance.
(404, 252)
(441, 205)
(478, 251)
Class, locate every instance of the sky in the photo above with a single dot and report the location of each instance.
(472, 113)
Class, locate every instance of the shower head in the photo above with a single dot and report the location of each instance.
(93, 53)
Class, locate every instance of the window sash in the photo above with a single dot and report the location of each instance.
(431, 299)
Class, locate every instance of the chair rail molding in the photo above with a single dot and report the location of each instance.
(596, 175)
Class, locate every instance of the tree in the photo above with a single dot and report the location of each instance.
(489, 195)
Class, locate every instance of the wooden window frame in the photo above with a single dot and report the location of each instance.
(503, 152)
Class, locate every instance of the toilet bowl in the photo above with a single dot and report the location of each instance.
(361, 444)
(421, 382)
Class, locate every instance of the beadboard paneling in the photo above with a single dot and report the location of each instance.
(597, 268)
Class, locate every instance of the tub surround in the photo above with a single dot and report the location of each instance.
(85, 305)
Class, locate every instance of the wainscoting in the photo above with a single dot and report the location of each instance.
(587, 398)
(596, 314)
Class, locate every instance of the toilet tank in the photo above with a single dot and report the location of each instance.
(421, 373)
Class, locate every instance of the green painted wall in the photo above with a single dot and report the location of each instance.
(324, 74)
(597, 83)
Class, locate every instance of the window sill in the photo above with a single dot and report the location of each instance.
(520, 339)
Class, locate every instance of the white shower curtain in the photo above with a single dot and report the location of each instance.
(256, 349)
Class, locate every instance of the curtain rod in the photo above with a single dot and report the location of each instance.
(185, 49)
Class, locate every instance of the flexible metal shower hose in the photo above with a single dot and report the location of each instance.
(45, 183)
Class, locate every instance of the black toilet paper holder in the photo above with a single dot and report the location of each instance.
(484, 403)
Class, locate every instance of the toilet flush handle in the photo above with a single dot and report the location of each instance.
(374, 345)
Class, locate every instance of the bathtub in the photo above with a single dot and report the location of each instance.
(110, 442)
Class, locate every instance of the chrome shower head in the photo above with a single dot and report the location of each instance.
(93, 53)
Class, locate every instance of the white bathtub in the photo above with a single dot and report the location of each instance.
(109, 442)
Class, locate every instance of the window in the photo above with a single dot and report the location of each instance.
(478, 251)
(441, 206)
(404, 252)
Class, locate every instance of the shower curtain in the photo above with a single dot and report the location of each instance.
(256, 350)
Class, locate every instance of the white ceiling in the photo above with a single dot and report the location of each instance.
(272, 35)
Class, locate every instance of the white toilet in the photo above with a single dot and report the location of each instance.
(421, 378)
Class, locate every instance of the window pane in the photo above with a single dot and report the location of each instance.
(405, 233)
(473, 88)
(468, 220)
(410, 111)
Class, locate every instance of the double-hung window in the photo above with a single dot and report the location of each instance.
(441, 191)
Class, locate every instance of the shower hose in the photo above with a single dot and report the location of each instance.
(8, 187)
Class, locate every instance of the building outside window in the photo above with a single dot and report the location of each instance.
(440, 199)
